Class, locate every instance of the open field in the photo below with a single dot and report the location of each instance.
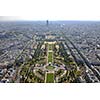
(50, 54)
(50, 78)
(50, 46)
(50, 67)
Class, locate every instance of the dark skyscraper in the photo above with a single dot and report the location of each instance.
(47, 22)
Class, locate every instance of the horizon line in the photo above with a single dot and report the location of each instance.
(48, 20)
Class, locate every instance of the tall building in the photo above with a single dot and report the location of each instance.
(47, 22)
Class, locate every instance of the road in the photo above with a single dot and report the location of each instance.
(85, 61)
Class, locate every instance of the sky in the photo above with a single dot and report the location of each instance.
(49, 9)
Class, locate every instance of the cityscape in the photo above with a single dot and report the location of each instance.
(49, 51)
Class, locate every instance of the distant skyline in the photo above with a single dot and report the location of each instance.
(24, 18)
(50, 10)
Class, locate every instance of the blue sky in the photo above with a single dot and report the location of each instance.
(50, 9)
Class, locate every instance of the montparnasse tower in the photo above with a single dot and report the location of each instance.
(47, 22)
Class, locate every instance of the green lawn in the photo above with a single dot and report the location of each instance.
(50, 78)
(50, 56)
(50, 46)
(50, 67)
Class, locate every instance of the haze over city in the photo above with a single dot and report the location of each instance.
(50, 41)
